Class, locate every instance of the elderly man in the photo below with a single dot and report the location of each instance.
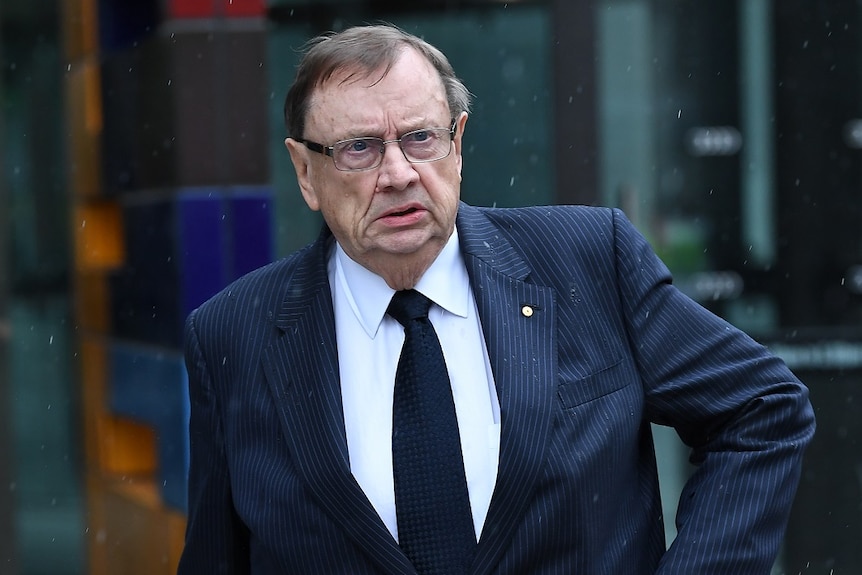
(437, 388)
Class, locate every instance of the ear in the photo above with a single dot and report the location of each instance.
(302, 166)
(460, 124)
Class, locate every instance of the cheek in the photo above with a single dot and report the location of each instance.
(347, 204)
(448, 187)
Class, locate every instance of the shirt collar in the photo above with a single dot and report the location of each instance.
(445, 283)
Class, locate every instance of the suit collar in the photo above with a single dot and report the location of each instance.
(483, 240)
(445, 283)
(308, 281)
(479, 238)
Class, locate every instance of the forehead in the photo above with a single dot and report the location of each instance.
(360, 102)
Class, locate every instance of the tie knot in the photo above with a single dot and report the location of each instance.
(408, 305)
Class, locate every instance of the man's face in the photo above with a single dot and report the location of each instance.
(398, 214)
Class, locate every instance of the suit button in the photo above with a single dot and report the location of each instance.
(527, 311)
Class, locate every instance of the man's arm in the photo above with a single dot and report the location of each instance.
(746, 417)
(216, 541)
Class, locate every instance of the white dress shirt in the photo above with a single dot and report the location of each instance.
(369, 345)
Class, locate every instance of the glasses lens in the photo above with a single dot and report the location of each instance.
(357, 153)
(426, 145)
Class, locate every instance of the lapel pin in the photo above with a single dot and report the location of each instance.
(527, 311)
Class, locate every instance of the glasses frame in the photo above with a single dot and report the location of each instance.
(330, 150)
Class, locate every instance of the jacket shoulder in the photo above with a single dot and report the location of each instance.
(554, 221)
(258, 293)
(554, 228)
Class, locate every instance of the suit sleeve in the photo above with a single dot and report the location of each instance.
(746, 417)
(216, 541)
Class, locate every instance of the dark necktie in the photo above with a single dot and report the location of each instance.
(435, 524)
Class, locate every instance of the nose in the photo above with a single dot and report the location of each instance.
(395, 171)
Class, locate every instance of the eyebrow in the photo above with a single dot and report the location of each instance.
(412, 127)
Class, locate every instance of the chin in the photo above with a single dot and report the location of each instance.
(407, 241)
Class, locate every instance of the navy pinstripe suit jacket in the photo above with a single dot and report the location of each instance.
(611, 347)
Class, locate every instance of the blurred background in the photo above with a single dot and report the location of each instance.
(143, 169)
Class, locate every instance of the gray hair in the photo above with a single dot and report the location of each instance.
(363, 50)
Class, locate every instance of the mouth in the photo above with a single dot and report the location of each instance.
(403, 212)
(404, 215)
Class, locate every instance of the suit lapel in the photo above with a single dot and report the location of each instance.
(522, 350)
(302, 370)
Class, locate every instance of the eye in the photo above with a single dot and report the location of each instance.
(356, 146)
(419, 136)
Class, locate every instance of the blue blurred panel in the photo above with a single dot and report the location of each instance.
(124, 23)
(201, 222)
(151, 387)
(251, 229)
(145, 292)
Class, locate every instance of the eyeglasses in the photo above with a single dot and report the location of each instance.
(358, 154)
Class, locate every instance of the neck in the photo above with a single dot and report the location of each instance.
(400, 271)
(403, 273)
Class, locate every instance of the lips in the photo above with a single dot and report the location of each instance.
(404, 215)
(403, 212)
